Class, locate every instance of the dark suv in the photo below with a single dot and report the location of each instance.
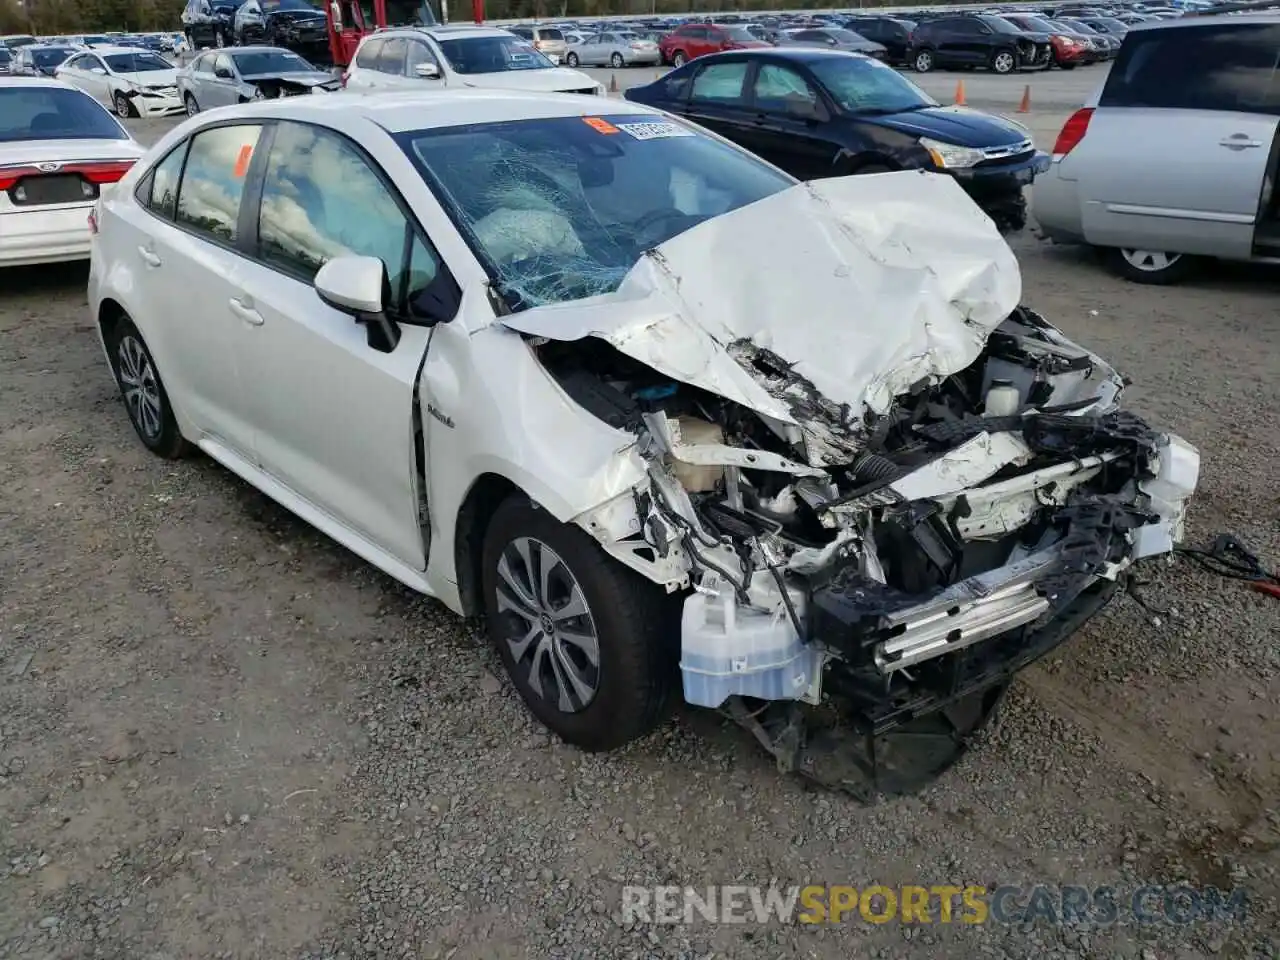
(977, 41)
(208, 23)
(892, 33)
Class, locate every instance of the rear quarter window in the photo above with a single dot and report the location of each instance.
(1229, 67)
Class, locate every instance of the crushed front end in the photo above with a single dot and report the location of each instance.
(878, 490)
(862, 617)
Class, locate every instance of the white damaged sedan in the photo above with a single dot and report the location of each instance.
(662, 415)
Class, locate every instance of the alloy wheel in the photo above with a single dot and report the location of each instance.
(571, 60)
(192, 107)
(616, 60)
(122, 105)
(1150, 261)
(140, 388)
(1003, 62)
(924, 62)
(678, 58)
(547, 625)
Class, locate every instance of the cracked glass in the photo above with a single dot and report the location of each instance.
(561, 208)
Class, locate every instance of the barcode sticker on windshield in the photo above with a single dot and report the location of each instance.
(657, 130)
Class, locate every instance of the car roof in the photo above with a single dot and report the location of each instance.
(399, 111)
(106, 51)
(7, 82)
(460, 31)
(259, 48)
(798, 54)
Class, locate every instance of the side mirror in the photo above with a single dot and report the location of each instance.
(359, 286)
(426, 71)
(354, 285)
(222, 73)
(98, 70)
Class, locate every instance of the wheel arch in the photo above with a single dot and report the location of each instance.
(110, 313)
(472, 522)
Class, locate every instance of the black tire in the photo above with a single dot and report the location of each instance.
(189, 101)
(922, 61)
(160, 434)
(123, 107)
(617, 62)
(1004, 62)
(636, 625)
(1178, 267)
(571, 59)
(679, 59)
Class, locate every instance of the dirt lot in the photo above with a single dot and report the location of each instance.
(221, 735)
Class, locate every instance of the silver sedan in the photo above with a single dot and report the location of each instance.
(617, 49)
(219, 78)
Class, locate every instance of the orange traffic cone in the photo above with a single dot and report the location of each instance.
(1025, 105)
(613, 83)
(960, 101)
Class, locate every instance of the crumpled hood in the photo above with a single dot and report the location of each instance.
(863, 286)
(305, 78)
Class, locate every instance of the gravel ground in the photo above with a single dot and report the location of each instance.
(221, 735)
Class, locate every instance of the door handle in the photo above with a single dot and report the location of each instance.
(1239, 141)
(245, 312)
(149, 257)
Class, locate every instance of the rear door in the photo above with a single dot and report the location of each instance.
(1177, 150)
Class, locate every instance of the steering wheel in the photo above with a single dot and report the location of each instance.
(660, 216)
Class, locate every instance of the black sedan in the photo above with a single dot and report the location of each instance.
(818, 113)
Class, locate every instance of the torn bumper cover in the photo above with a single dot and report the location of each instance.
(882, 484)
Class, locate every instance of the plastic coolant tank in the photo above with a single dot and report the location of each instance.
(1002, 400)
(694, 477)
(727, 649)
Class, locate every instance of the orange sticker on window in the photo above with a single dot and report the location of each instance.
(242, 161)
(599, 124)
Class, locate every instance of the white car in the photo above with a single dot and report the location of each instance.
(417, 58)
(58, 149)
(136, 83)
(647, 403)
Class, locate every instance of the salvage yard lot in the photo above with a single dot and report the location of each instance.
(223, 735)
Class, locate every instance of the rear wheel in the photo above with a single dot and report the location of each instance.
(143, 392)
(678, 59)
(1149, 266)
(587, 642)
(571, 59)
(1003, 61)
(617, 62)
(923, 61)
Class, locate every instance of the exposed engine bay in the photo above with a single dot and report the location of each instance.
(891, 567)
(271, 88)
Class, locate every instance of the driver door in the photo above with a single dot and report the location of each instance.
(788, 127)
(334, 415)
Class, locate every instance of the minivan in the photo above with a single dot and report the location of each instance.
(1176, 156)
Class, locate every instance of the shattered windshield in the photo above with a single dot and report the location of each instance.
(493, 55)
(561, 208)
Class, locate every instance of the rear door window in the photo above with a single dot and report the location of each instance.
(213, 181)
(720, 82)
(1227, 67)
(367, 58)
(392, 58)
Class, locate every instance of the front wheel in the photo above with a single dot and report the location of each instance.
(590, 646)
(123, 107)
(1004, 62)
(923, 61)
(1149, 266)
(192, 107)
(571, 59)
(143, 392)
(616, 61)
(678, 59)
